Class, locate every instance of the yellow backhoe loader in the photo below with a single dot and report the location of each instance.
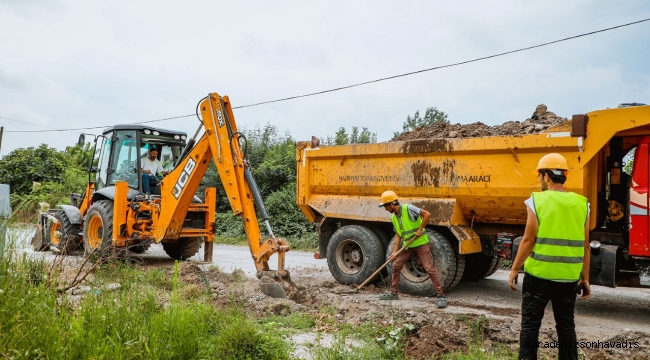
(115, 214)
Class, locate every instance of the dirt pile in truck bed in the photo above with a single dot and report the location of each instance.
(540, 121)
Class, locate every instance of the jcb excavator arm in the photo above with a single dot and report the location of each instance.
(220, 141)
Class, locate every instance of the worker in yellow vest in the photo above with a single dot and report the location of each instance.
(555, 254)
(409, 221)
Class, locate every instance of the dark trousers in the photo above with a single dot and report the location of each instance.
(536, 295)
(424, 253)
(146, 187)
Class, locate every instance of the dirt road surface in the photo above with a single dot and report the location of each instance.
(488, 306)
(621, 314)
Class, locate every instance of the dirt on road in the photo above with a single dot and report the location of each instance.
(540, 121)
(485, 311)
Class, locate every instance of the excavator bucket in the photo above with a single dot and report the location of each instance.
(276, 284)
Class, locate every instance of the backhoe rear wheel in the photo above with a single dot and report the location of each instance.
(449, 264)
(98, 230)
(183, 248)
(64, 234)
(354, 252)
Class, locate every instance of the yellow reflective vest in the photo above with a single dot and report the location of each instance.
(406, 229)
(559, 247)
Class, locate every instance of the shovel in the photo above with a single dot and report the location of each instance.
(391, 258)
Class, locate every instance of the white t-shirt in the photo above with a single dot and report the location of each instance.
(531, 204)
(155, 166)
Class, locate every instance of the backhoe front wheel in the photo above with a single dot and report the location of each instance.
(98, 230)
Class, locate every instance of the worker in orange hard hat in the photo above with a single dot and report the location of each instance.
(555, 252)
(409, 222)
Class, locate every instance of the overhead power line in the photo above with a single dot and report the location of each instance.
(94, 127)
(375, 80)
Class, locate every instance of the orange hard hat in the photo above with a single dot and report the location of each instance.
(552, 161)
(387, 197)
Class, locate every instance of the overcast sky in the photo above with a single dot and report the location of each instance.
(68, 64)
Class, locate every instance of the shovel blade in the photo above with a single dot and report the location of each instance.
(271, 288)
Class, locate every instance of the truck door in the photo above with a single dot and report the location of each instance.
(639, 200)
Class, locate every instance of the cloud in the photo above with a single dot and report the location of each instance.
(76, 63)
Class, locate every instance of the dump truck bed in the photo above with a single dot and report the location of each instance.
(460, 181)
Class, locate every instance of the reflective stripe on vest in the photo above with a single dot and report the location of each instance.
(406, 229)
(559, 247)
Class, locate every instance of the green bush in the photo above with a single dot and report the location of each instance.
(286, 219)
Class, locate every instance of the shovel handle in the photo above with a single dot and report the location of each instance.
(386, 263)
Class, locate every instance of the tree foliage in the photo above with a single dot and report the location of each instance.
(21, 167)
(431, 116)
(341, 137)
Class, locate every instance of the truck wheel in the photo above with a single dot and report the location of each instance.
(354, 252)
(64, 234)
(183, 248)
(98, 230)
(449, 264)
(495, 267)
(384, 239)
(480, 266)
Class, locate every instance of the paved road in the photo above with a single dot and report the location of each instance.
(229, 258)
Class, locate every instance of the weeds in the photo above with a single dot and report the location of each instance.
(476, 344)
(129, 321)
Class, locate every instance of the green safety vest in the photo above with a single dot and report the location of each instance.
(406, 229)
(559, 247)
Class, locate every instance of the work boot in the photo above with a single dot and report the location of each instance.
(388, 296)
(442, 302)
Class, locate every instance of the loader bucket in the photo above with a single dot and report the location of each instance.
(276, 284)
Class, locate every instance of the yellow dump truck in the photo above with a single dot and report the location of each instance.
(475, 190)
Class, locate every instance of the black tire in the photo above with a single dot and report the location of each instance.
(98, 230)
(140, 247)
(479, 266)
(382, 236)
(69, 240)
(449, 264)
(384, 239)
(183, 248)
(496, 266)
(354, 252)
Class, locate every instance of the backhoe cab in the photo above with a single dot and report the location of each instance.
(115, 214)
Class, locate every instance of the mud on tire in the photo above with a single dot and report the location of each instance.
(183, 248)
(449, 264)
(68, 241)
(354, 252)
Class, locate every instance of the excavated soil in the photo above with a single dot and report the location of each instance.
(436, 332)
(540, 121)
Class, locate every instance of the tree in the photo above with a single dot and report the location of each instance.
(341, 137)
(21, 167)
(80, 155)
(431, 116)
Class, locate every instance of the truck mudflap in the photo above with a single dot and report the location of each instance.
(602, 269)
(468, 241)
